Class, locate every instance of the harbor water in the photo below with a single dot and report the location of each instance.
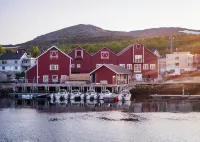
(166, 121)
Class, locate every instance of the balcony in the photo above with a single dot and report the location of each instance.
(26, 64)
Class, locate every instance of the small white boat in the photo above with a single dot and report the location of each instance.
(125, 95)
(91, 95)
(27, 96)
(105, 94)
(62, 95)
(75, 95)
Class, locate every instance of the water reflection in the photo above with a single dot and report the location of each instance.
(78, 106)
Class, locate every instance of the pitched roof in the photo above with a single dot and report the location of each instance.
(50, 49)
(11, 56)
(115, 68)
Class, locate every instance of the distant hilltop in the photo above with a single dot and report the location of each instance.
(92, 34)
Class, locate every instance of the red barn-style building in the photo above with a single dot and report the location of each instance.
(53, 66)
(140, 61)
(110, 74)
(81, 62)
(103, 56)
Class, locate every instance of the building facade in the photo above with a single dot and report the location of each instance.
(140, 61)
(162, 65)
(53, 66)
(104, 56)
(179, 62)
(16, 62)
(110, 74)
(82, 61)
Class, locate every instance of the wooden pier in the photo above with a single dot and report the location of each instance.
(46, 88)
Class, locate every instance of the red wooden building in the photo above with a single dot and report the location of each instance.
(103, 56)
(140, 61)
(81, 62)
(53, 66)
(110, 74)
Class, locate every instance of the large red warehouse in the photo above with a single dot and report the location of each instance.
(81, 62)
(140, 60)
(103, 56)
(53, 66)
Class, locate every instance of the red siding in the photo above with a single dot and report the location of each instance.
(85, 63)
(148, 56)
(31, 75)
(96, 58)
(44, 63)
(104, 73)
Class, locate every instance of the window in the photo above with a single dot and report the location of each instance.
(16, 68)
(3, 68)
(78, 65)
(53, 67)
(4, 62)
(104, 55)
(45, 78)
(176, 58)
(129, 66)
(124, 76)
(15, 62)
(54, 78)
(176, 64)
(122, 65)
(137, 67)
(72, 65)
(138, 58)
(79, 54)
(54, 54)
(98, 65)
(145, 67)
(152, 66)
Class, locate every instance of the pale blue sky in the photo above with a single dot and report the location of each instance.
(23, 20)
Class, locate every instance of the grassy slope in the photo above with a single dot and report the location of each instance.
(181, 42)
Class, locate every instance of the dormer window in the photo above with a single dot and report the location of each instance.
(79, 54)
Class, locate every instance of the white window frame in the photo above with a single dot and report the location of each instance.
(78, 65)
(103, 53)
(79, 56)
(55, 80)
(16, 67)
(129, 67)
(137, 67)
(152, 67)
(47, 78)
(53, 54)
(145, 66)
(122, 65)
(72, 65)
(56, 67)
(138, 58)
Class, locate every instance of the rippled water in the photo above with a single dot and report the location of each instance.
(170, 122)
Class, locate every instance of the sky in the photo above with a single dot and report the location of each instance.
(24, 20)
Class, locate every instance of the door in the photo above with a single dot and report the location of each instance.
(138, 77)
(63, 78)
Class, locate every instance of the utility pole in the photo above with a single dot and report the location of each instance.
(171, 43)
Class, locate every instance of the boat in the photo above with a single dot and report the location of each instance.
(91, 95)
(105, 94)
(125, 95)
(60, 96)
(75, 95)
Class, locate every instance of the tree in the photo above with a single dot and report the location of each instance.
(10, 50)
(2, 50)
(35, 51)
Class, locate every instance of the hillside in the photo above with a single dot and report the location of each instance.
(91, 34)
(181, 42)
